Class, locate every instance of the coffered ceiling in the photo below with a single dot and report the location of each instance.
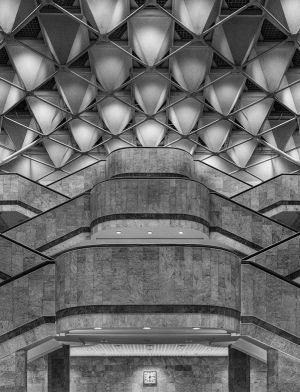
(81, 78)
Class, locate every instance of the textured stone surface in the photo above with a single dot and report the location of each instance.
(59, 370)
(283, 188)
(245, 224)
(15, 258)
(27, 298)
(149, 160)
(270, 299)
(238, 371)
(258, 376)
(81, 181)
(283, 258)
(174, 374)
(13, 372)
(17, 188)
(271, 339)
(155, 320)
(87, 178)
(283, 372)
(37, 375)
(149, 275)
(24, 339)
(54, 224)
(218, 181)
(149, 196)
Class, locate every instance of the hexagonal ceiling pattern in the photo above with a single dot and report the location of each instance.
(81, 78)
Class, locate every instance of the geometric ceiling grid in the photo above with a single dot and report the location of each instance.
(217, 78)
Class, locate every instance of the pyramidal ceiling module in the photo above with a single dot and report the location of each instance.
(81, 78)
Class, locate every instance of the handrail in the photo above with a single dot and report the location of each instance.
(45, 212)
(265, 182)
(270, 272)
(26, 247)
(272, 246)
(35, 182)
(253, 211)
(27, 272)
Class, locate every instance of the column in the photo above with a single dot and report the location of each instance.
(283, 372)
(59, 370)
(13, 372)
(238, 371)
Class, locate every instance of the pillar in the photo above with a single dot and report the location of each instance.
(13, 372)
(59, 370)
(238, 371)
(283, 372)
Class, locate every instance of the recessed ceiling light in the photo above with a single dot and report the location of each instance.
(118, 232)
(196, 328)
(180, 232)
(149, 232)
(97, 328)
(146, 327)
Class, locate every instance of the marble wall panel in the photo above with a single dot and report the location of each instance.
(82, 181)
(28, 298)
(283, 188)
(238, 371)
(270, 299)
(258, 375)
(17, 188)
(150, 275)
(283, 259)
(134, 161)
(218, 181)
(150, 196)
(54, 224)
(59, 370)
(37, 375)
(245, 224)
(283, 372)
(15, 259)
(13, 372)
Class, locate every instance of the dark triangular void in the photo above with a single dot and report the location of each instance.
(235, 38)
(75, 36)
(287, 13)
(13, 12)
(20, 129)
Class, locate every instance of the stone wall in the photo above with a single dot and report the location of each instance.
(258, 376)
(162, 161)
(271, 300)
(283, 188)
(37, 375)
(54, 224)
(17, 188)
(283, 372)
(218, 181)
(13, 373)
(28, 298)
(283, 258)
(81, 181)
(174, 374)
(133, 198)
(203, 283)
(86, 178)
(245, 224)
(15, 258)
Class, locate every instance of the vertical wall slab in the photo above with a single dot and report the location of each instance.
(283, 372)
(59, 370)
(238, 371)
(13, 372)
